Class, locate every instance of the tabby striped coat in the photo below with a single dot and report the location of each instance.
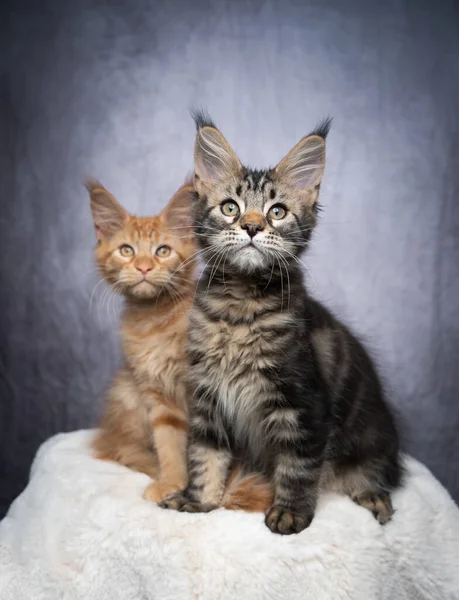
(282, 387)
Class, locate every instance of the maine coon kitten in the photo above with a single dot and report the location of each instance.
(281, 385)
(145, 423)
(150, 260)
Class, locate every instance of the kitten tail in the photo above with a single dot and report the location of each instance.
(250, 493)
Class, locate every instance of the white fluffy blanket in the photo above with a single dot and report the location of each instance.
(81, 530)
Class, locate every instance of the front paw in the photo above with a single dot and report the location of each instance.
(158, 491)
(283, 521)
(182, 503)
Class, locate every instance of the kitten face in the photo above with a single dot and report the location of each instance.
(142, 257)
(255, 220)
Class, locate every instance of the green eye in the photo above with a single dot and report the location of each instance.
(277, 212)
(126, 251)
(230, 209)
(163, 251)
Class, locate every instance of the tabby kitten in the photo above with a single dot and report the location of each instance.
(281, 385)
(150, 260)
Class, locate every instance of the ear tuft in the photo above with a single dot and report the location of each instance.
(108, 215)
(322, 129)
(202, 118)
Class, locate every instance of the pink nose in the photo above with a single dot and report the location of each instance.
(143, 269)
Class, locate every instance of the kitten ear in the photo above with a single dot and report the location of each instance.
(213, 157)
(108, 215)
(304, 165)
(177, 213)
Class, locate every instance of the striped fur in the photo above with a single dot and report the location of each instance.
(282, 387)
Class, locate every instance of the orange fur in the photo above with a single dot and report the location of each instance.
(145, 423)
(251, 492)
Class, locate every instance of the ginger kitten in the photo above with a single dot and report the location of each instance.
(151, 261)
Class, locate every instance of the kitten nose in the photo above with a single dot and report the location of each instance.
(252, 228)
(143, 268)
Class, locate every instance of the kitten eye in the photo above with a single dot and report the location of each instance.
(277, 212)
(230, 209)
(126, 251)
(163, 251)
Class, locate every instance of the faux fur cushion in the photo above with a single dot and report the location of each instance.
(81, 530)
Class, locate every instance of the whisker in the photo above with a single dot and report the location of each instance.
(100, 304)
(216, 265)
(93, 292)
(288, 279)
(282, 283)
(223, 267)
(300, 262)
(271, 275)
(176, 298)
(86, 273)
(183, 264)
(203, 271)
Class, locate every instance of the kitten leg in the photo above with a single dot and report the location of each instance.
(297, 442)
(296, 481)
(170, 429)
(209, 460)
(378, 503)
(369, 485)
(208, 471)
(112, 447)
(123, 436)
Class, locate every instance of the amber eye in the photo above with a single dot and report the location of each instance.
(277, 212)
(230, 209)
(163, 251)
(126, 251)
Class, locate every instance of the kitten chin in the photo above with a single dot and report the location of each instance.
(249, 260)
(143, 290)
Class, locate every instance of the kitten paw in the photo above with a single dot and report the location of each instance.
(378, 503)
(283, 521)
(158, 491)
(182, 503)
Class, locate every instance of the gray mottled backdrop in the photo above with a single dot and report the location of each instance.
(104, 88)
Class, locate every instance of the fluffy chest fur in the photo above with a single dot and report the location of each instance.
(156, 355)
(238, 342)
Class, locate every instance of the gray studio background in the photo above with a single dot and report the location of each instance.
(104, 88)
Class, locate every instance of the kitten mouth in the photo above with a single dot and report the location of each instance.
(251, 246)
